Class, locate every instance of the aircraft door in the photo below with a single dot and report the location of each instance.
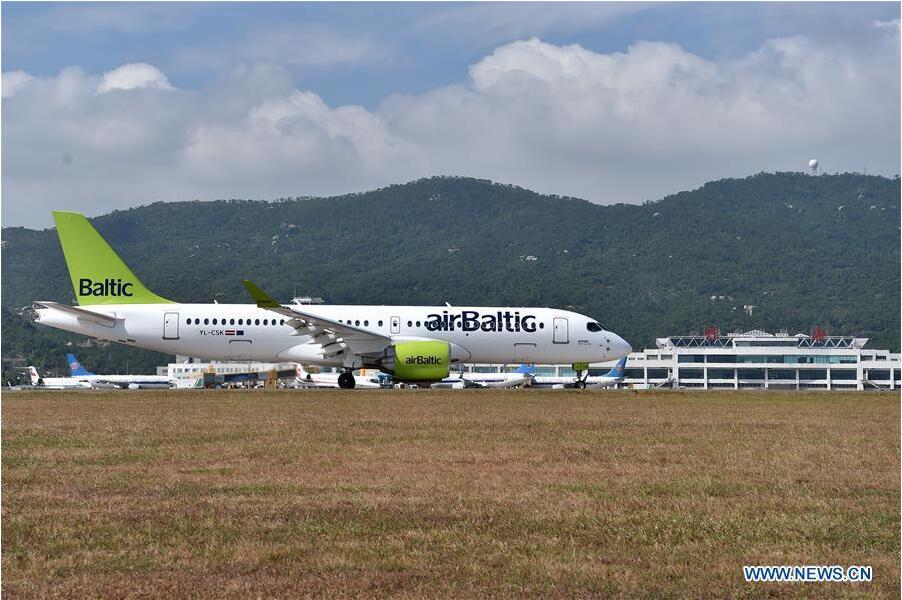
(561, 331)
(171, 326)
(396, 324)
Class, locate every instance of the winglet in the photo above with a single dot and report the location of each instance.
(262, 299)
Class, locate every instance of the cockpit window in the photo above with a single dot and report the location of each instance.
(593, 326)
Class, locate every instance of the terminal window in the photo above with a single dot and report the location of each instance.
(811, 374)
(721, 373)
(692, 358)
(781, 374)
(721, 358)
(843, 374)
(751, 373)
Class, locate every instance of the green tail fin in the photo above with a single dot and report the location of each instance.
(98, 274)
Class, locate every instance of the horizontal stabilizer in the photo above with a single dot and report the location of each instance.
(81, 313)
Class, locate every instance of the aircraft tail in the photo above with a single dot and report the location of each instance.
(617, 371)
(301, 374)
(524, 368)
(35, 378)
(75, 368)
(98, 274)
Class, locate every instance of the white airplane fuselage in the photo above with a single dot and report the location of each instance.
(247, 332)
(596, 381)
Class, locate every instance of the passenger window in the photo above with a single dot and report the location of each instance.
(206, 321)
(241, 321)
(410, 323)
(281, 322)
(418, 323)
(541, 325)
(366, 323)
(214, 321)
(266, 321)
(380, 323)
(356, 322)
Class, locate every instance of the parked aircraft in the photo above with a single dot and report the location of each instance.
(463, 380)
(131, 382)
(57, 383)
(330, 380)
(413, 343)
(609, 379)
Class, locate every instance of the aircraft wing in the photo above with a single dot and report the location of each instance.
(333, 335)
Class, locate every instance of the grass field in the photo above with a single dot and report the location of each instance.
(445, 493)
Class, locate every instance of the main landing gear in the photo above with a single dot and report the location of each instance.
(581, 378)
(346, 380)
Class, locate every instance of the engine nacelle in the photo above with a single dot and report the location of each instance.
(134, 386)
(417, 360)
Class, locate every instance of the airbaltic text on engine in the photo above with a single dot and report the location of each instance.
(423, 360)
(471, 320)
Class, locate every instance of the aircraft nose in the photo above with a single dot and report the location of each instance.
(619, 346)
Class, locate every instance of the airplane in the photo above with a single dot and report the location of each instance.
(485, 380)
(412, 343)
(130, 382)
(330, 380)
(609, 379)
(57, 383)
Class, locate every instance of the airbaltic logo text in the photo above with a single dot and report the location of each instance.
(471, 320)
(423, 360)
(107, 287)
(807, 573)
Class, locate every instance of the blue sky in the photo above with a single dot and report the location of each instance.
(347, 96)
(416, 46)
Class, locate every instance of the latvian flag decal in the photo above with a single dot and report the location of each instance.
(234, 332)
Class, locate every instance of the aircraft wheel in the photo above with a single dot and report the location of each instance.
(346, 380)
(580, 385)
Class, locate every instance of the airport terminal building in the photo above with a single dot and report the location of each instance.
(752, 360)
(760, 360)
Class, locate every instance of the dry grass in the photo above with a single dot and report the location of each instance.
(452, 493)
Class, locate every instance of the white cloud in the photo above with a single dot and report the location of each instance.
(13, 81)
(891, 24)
(133, 76)
(624, 126)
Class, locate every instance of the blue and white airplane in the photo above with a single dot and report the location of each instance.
(130, 382)
(609, 379)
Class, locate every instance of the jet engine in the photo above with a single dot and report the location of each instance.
(417, 360)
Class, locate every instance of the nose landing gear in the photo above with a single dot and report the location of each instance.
(582, 374)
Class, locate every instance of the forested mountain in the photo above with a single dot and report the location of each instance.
(801, 250)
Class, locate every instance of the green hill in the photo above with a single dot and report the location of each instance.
(802, 250)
